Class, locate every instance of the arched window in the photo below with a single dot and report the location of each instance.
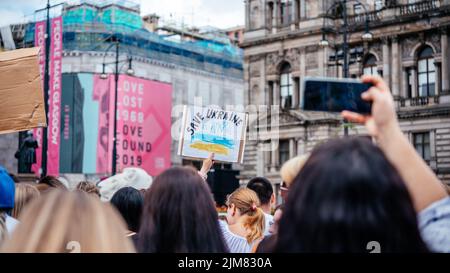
(286, 88)
(426, 73)
(370, 66)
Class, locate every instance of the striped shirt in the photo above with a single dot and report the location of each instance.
(235, 243)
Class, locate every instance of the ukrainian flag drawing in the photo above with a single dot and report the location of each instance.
(212, 144)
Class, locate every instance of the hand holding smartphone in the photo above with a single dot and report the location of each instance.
(335, 95)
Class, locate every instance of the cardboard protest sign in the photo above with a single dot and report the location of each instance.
(208, 130)
(22, 97)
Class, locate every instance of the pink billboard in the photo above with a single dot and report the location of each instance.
(143, 124)
(54, 92)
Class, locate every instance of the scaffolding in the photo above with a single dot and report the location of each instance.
(88, 26)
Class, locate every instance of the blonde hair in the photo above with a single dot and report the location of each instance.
(61, 221)
(291, 168)
(25, 193)
(248, 204)
(88, 187)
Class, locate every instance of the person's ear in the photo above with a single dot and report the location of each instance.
(233, 209)
(272, 199)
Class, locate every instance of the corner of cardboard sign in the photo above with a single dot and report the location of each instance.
(25, 107)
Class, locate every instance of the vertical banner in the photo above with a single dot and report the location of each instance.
(54, 110)
(54, 92)
(39, 41)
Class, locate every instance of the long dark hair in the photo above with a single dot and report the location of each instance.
(129, 202)
(347, 195)
(179, 215)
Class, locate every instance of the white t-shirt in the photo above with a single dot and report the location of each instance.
(268, 221)
(11, 224)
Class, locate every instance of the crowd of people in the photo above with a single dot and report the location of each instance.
(346, 193)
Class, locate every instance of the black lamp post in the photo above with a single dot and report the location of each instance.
(345, 31)
(115, 42)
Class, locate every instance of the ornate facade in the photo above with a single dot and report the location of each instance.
(409, 49)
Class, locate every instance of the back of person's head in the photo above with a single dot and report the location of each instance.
(14, 178)
(51, 182)
(130, 177)
(129, 201)
(262, 187)
(347, 195)
(247, 202)
(7, 195)
(25, 193)
(179, 215)
(291, 168)
(61, 221)
(88, 187)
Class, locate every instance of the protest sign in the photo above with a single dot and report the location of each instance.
(208, 130)
(22, 104)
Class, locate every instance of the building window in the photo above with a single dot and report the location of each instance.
(426, 73)
(379, 4)
(370, 66)
(286, 87)
(283, 150)
(358, 9)
(286, 12)
(422, 145)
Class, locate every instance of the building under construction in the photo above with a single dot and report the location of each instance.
(201, 68)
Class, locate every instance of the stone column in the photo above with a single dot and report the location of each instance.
(247, 14)
(275, 16)
(292, 148)
(386, 61)
(275, 145)
(276, 93)
(262, 83)
(405, 80)
(415, 92)
(302, 9)
(295, 94)
(294, 15)
(395, 68)
(302, 74)
(445, 62)
(437, 86)
(260, 160)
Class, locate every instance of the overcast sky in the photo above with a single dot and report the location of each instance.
(218, 13)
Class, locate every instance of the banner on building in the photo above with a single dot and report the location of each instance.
(143, 124)
(54, 93)
(208, 130)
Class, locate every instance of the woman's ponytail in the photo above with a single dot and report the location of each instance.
(255, 224)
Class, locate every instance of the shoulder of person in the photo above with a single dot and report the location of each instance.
(11, 223)
(434, 225)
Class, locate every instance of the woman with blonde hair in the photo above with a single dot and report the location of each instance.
(65, 221)
(25, 193)
(245, 219)
(289, 171)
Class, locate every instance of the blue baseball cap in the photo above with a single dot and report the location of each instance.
(7, 190)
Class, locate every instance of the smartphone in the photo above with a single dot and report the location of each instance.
(335, 95)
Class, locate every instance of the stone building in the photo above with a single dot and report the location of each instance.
(409, 49)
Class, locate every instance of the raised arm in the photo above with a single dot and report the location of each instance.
(206, 166)
(423, 185)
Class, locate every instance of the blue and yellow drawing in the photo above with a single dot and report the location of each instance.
(212, 144)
